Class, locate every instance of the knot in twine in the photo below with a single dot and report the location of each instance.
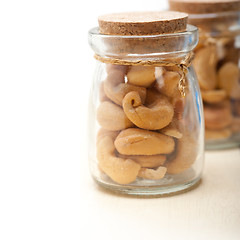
(182, 65)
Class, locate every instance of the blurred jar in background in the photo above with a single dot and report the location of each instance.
(216, 64)
(146, 133)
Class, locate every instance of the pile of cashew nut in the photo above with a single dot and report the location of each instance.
(217, 70)
(140, 115)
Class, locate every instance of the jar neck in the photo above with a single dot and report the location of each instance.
(145, 48)
(181, 61)
(217, 24)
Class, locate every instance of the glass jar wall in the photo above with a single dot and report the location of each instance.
(216, 64)
(217, 67)
(146, 134)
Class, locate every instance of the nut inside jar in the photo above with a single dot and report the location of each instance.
(216, 65)
(146, 129)
(145, 124)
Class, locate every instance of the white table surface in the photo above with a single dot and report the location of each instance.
(210, 211)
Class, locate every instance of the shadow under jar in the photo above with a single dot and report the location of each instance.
(146, 134)
(216, 64)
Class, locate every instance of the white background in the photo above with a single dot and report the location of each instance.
(46, 192)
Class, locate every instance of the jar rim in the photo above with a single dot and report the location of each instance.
(199, 16)
(146, 46)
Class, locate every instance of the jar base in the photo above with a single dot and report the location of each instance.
(233, 142)
(150, 191)
(221, 146)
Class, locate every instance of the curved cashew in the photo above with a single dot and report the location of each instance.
(205, 63)
(141, 75)
(153, 116)
(111, 117)
(214, 96)
(217, 116)
(122, 171)
(186, 154)
(167, 84)
(134, 141)
(228, 79)
(153, 174)
(115, 87)
(117, 92)
(147, 161)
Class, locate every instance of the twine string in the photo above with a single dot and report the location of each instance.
(182, 81)
(182, 65)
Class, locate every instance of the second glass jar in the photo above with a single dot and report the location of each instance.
(217, 68)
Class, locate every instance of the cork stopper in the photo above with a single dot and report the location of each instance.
(142, 23)
(204, 6)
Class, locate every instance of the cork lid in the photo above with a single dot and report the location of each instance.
(142, 23)
(204, 6)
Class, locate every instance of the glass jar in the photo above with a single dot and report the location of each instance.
(146, 134)
(216, 64)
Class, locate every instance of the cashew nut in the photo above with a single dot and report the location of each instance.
(178, 106)
(102, 95)
(122, 171)
(228, 79)
(134, 141)
(103, 133)
(152, 174)
(167, 84)
(222, 47)
(235, 104)
(231, 53)
(217, 116)
(115, 87)
(235, 126)
(204, 63)
(186, 153)
(171, 130)
(153, 116)
(200, 44)
(217, 134)
(115, 67)
(116, 92)
(141, 75)
(111, 117)
(172, 68)
(214, 96)
(116, 73)
(147, 161)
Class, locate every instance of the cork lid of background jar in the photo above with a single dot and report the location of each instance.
(204, 6)
(214, 17)
(142, 23)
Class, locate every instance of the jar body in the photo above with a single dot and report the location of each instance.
(217, 67)
(146, 133)
(141, 140)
